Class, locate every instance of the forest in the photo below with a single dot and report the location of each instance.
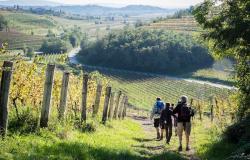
(155, 51)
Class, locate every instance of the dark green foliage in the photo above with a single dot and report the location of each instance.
(227, 33)
(27, 122)
(242, 153)
(239, 132)
(55, 46)
(3, 22)
(89, 127)
(155, 51)
(73, 40)
(30, 52)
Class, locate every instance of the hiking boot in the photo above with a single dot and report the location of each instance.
(188, 148)
(180, 148)
(167, 141)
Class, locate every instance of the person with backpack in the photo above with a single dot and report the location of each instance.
(156, 114)
(174, 120)
(184, 120)
(166, 121)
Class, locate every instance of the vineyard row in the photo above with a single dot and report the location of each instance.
(114, 104)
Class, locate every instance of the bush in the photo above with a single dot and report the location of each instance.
(239, 131)
(26, 123)
(55, 46)
(89, 127)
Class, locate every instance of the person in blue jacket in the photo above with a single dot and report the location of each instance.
(156, 114)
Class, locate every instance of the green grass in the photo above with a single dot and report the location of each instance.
(111, 142)
(212, 75)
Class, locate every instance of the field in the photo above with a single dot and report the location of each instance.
(17, 40)
(185, 24)
(142, 89)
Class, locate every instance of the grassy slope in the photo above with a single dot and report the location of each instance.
(119, 140)
(111, 142)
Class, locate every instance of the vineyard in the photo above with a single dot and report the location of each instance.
(79, 95)
(142, 89)
(185, 24)
(51, 58)
(17, 40)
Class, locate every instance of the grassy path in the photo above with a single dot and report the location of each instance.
(152, 149)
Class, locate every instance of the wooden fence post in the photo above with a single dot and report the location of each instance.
(124, 112)
(212, 110)
(97, 99)
(47, 95)
(64, 93)
(106, 104)
(111, 106)
(122, 104)
(4, 96)
(117, 105)
(200, 111)
(84, 97)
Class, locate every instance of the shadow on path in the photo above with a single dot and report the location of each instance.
(150, 148)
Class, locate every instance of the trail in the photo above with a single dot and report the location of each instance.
(152, 149)
(72, 55)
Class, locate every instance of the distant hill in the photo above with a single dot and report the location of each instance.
(28, 3)
(101, 10)
(92, 10)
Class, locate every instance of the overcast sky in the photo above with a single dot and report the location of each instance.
(159, 3)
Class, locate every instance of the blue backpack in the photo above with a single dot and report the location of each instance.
(159, 107)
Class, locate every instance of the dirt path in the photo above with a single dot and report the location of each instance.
(153, 149)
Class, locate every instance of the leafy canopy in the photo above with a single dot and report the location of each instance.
(227, 25)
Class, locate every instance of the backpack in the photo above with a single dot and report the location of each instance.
(159, 107)
(185, 113)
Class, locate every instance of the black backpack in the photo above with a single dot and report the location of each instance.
(185, 113)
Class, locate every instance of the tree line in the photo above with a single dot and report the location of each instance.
(155, 51)
(70, 38)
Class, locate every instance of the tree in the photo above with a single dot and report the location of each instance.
(227, 34)
(146, 50)
(30, 52)
(74, 41)
(3, 23)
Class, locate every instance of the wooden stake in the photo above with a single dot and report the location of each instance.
(84, 98)
(4, 96)
(97, 100)
(106, 104)
(64, 93)
(115, 116)
(111, 106)
(47, 95)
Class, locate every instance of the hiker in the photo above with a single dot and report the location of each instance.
(167, 121)
(183, 121)
(174, 119)
(156, 114)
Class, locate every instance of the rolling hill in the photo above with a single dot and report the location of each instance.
(28, 3)
(102, 10)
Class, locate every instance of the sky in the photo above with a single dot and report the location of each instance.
(119, 3)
